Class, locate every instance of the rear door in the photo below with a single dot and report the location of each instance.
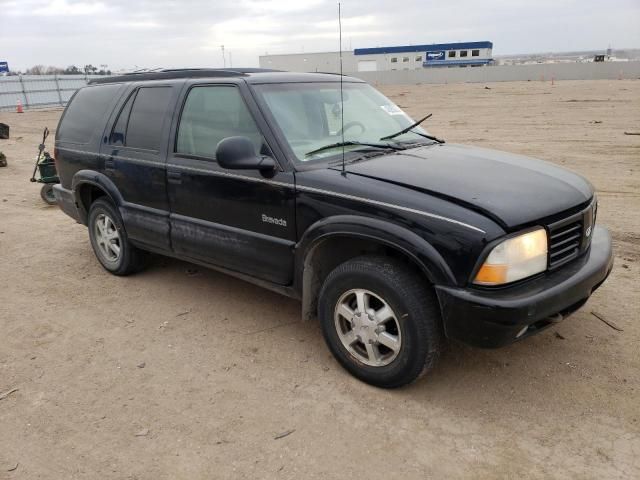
(242, 220)
(134, 151)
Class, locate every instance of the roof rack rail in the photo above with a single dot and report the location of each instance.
(230, 69)
(172, 73)
(332, 73)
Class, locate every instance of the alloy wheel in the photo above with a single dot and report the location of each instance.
(367, 327)
(107, 238)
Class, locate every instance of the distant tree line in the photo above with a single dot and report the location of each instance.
(70, 70)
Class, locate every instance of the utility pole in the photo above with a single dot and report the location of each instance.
(230, 61)
(224, 60)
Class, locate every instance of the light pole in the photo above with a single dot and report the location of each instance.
(224, 60)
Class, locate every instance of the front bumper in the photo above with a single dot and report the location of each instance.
(496, 317)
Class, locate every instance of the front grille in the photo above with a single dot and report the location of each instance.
(569, 237)
(564, 243)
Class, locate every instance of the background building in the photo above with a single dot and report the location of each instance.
(406, 57)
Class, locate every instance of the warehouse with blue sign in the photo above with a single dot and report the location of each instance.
(405, 57)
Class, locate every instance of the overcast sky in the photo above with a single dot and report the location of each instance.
(174, 33)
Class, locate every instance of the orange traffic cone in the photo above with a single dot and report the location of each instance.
(19, 108)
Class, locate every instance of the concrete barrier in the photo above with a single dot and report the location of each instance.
(505, 73)
(37, 91)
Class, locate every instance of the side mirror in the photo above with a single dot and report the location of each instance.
(238, 153)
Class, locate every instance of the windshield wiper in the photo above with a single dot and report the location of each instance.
(353, 142)
(412, 126)
(363, 156)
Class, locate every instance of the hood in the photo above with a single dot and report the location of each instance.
(511, 189)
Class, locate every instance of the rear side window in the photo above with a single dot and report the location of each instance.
(144, 128)
(117, 136)
(85, 113)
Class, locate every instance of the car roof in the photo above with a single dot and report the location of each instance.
(250, 75)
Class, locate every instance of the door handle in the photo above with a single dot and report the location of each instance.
(174, 177)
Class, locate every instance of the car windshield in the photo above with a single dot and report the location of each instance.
(309, 115)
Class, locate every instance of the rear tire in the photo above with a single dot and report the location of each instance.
(46, 193)
(380, 320)
(110, 242)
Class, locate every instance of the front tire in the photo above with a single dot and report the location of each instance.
(109, 240)
(380, 320)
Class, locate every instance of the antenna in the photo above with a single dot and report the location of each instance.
(341, 94)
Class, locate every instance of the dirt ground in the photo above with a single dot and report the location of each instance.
(183, 373)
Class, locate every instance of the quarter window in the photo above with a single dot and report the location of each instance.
(211, 114)
(475, 53)
(144, 128)
(84, 114)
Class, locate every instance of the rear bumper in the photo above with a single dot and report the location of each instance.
(493, 318)
(66, 202)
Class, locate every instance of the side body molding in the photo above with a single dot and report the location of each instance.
(423, 254)
(146, 227)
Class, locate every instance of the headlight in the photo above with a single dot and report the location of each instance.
(515, 258)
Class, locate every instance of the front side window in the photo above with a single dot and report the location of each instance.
(210, 114)
(144, 128)
(475, 53)
(310, 116)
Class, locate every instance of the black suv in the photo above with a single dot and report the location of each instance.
(320, 188)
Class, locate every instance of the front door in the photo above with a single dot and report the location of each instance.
(241, 220)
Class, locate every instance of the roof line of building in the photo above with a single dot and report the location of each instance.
(303, 53)
(422, 48)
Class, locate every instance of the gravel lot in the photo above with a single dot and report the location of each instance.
(180, 372)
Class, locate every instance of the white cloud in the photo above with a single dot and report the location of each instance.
(350, 22)
(64, 7)
(278, 6)
(267, 32)
(141, 24)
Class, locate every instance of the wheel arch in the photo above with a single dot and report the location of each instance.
(354, 236)
(88, 186)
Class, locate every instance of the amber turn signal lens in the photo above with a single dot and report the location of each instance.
(492, 274)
